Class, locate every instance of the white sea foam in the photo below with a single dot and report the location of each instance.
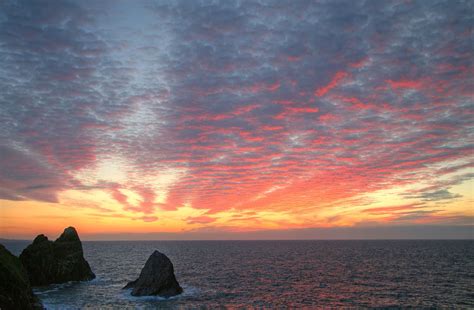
(188, 291)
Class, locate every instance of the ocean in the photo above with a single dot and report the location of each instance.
(277, 274)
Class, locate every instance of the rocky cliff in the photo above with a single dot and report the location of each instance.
(15, 289)
(48, 262)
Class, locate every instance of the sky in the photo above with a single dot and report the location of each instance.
(237, 119)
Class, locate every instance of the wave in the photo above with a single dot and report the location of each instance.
(188, 291)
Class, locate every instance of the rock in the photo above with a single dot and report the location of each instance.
(15, 289)
(156, 278)
(48, 262)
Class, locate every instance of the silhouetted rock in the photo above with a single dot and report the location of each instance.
(15, 289)
(48, 262)
(156, 278)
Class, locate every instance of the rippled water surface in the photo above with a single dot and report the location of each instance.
(278, 274)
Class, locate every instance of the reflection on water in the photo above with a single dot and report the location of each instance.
(279, 274)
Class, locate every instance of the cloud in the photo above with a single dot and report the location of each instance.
(24, 177)
(148, 218)
(442, 194)
(323, 101)
(397, 232)
(385, 210)
(200, 219)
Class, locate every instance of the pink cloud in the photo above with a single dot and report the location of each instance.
(336, 79)
(200, 220)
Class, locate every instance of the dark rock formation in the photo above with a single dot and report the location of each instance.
(48, 262)
(15, 289)
(156, 278)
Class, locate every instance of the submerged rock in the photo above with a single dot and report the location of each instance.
(15, 289)
(156, 278)
(48, 262)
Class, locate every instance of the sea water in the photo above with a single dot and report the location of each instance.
(277, 274)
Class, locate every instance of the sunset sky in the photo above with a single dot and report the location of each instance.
(237, 119)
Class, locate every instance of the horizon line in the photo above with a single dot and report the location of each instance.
(313, 239)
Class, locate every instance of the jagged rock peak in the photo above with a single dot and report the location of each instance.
(60, 261)
(40, 238)
(156, 278)
(69, 234)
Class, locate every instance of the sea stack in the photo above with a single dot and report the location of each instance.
(48, 262)
(15, 289)
(156, 278)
